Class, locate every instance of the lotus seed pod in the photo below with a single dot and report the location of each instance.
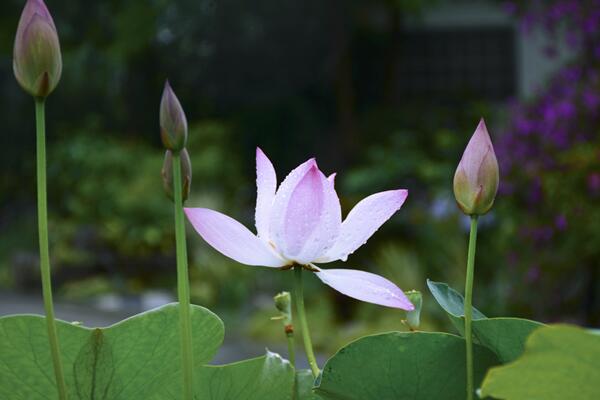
(476, 178)
(186, 174)
(37, 62)
(173, 123)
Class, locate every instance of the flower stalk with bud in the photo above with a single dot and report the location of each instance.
(475, 187)
(177, 177)
(37, 65)
(283, 303)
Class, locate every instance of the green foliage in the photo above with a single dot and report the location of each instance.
(115, 186)
(138, 358)
(559, 362)
(108, 213)
(401, 366)
(129, 360)
(504, 336)
(266, 377)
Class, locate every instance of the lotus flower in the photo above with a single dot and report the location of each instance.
(37, 61)
(300, 223)
(476, 178)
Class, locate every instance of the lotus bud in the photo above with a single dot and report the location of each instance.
(283, 303)
(173, 124)
(186, 174)
(37, 62)
(413, 318)
(476, 178)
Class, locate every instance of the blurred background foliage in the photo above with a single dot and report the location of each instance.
(380, 91)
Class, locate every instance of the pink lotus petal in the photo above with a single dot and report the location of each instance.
(32, 8)
(266, 184)
(327, 229)
(279, 221)
(231, 238)
(35, 16)
(366, 286)
(479, 147)
(363, 221)
(303, 213)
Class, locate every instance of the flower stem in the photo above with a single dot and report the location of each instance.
(299, 300)
(468, 305)
(40, 119)
(183, 288)
(291, 348)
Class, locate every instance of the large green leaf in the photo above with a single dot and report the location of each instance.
(129, 360)
(504, 336)
(402, 366)
(560, 362)
(138, 358)
(266, 377)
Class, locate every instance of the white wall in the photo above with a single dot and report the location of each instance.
(533, 67)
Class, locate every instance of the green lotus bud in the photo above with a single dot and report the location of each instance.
(283, 303)
(413, 318)
(37, 62)
(186, 174)
(173, 124)
(476, 178)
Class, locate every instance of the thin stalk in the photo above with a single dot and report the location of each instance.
(291, 348)
(299, 300)
(468, 306)
(183, 288)
(40, 119)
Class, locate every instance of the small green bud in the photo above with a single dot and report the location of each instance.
(413, 318)
(476, 178)
(173, 123)
(186, 174)
(283, 303)
(37, 62)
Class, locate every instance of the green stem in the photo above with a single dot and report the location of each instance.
(291, 349)
(183, 288)
(299, 300)
(40, 119)
(468, 306)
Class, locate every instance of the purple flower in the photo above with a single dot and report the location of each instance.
(510, 7)
(301, 223)
(561, 222)
(590, 98)
(593, 182)
(533, 274)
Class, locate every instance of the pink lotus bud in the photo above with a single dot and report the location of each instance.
(37, 62)
(173, 124)
(476, 178)
(186, 174)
